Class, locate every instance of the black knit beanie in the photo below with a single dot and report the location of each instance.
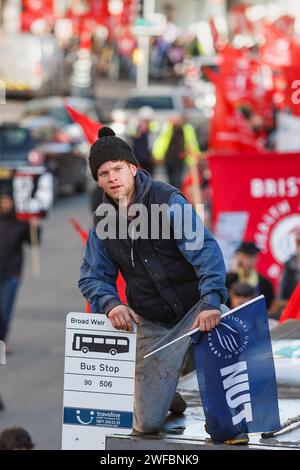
(107, 148)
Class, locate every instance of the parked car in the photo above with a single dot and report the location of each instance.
(166, 102)
(17, 147)
(40, 143)
(31, 65)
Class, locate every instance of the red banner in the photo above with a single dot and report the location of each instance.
(229, 130)
(257, 198)
(33, 10)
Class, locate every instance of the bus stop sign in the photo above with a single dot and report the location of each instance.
(98, 381)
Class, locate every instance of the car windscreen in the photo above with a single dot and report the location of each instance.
(155, 102)
(15, 143)
(58, 113)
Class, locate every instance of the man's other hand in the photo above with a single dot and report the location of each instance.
(121, 316)
(207, 320)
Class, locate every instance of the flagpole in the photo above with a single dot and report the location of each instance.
(2, 353)
(189, 333)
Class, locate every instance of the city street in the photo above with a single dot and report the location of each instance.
(31, 383)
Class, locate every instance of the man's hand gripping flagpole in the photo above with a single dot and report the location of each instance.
(195, 330)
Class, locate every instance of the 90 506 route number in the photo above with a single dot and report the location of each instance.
(102, 383)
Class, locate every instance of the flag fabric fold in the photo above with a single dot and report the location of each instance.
(121, 286)
(90, 126)
(292, 310)
(229, 130)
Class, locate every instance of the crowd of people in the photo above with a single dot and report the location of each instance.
(169, 52)
(170, 56)
(174, 146)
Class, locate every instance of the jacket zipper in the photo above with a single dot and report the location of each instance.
(131, 252)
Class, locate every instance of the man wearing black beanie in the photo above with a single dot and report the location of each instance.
(108, 147)
(171, 286)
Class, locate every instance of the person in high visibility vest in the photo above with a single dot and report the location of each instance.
(176, 146)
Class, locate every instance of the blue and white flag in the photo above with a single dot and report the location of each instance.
(236, 374)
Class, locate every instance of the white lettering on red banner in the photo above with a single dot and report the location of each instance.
(269, 187)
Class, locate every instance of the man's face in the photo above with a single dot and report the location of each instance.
(246, 262)
(116, 178)
(178, 120)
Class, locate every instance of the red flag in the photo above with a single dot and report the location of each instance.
(215, 34)
(277, 50)
(229, 129)
(241, 76)
(187, 185)
(120, 281)
(121, 286)
(244, 84)
(285, 24)
(230, 57)
(82, 233)
(33, 10)
(89, 126)
(238, 20)
(292, 89)
(292, 310)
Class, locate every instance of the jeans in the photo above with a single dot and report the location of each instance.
(8, 290)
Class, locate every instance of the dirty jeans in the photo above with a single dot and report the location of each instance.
(157, 376)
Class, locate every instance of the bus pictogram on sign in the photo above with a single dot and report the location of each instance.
(100, 344)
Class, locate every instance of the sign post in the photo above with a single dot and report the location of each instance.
(98, 383)
(2, 353)
(32, 189)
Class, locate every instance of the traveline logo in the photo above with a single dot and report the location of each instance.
(236, 384)
(101, 418)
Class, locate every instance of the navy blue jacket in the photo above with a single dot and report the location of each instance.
(164, 277)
